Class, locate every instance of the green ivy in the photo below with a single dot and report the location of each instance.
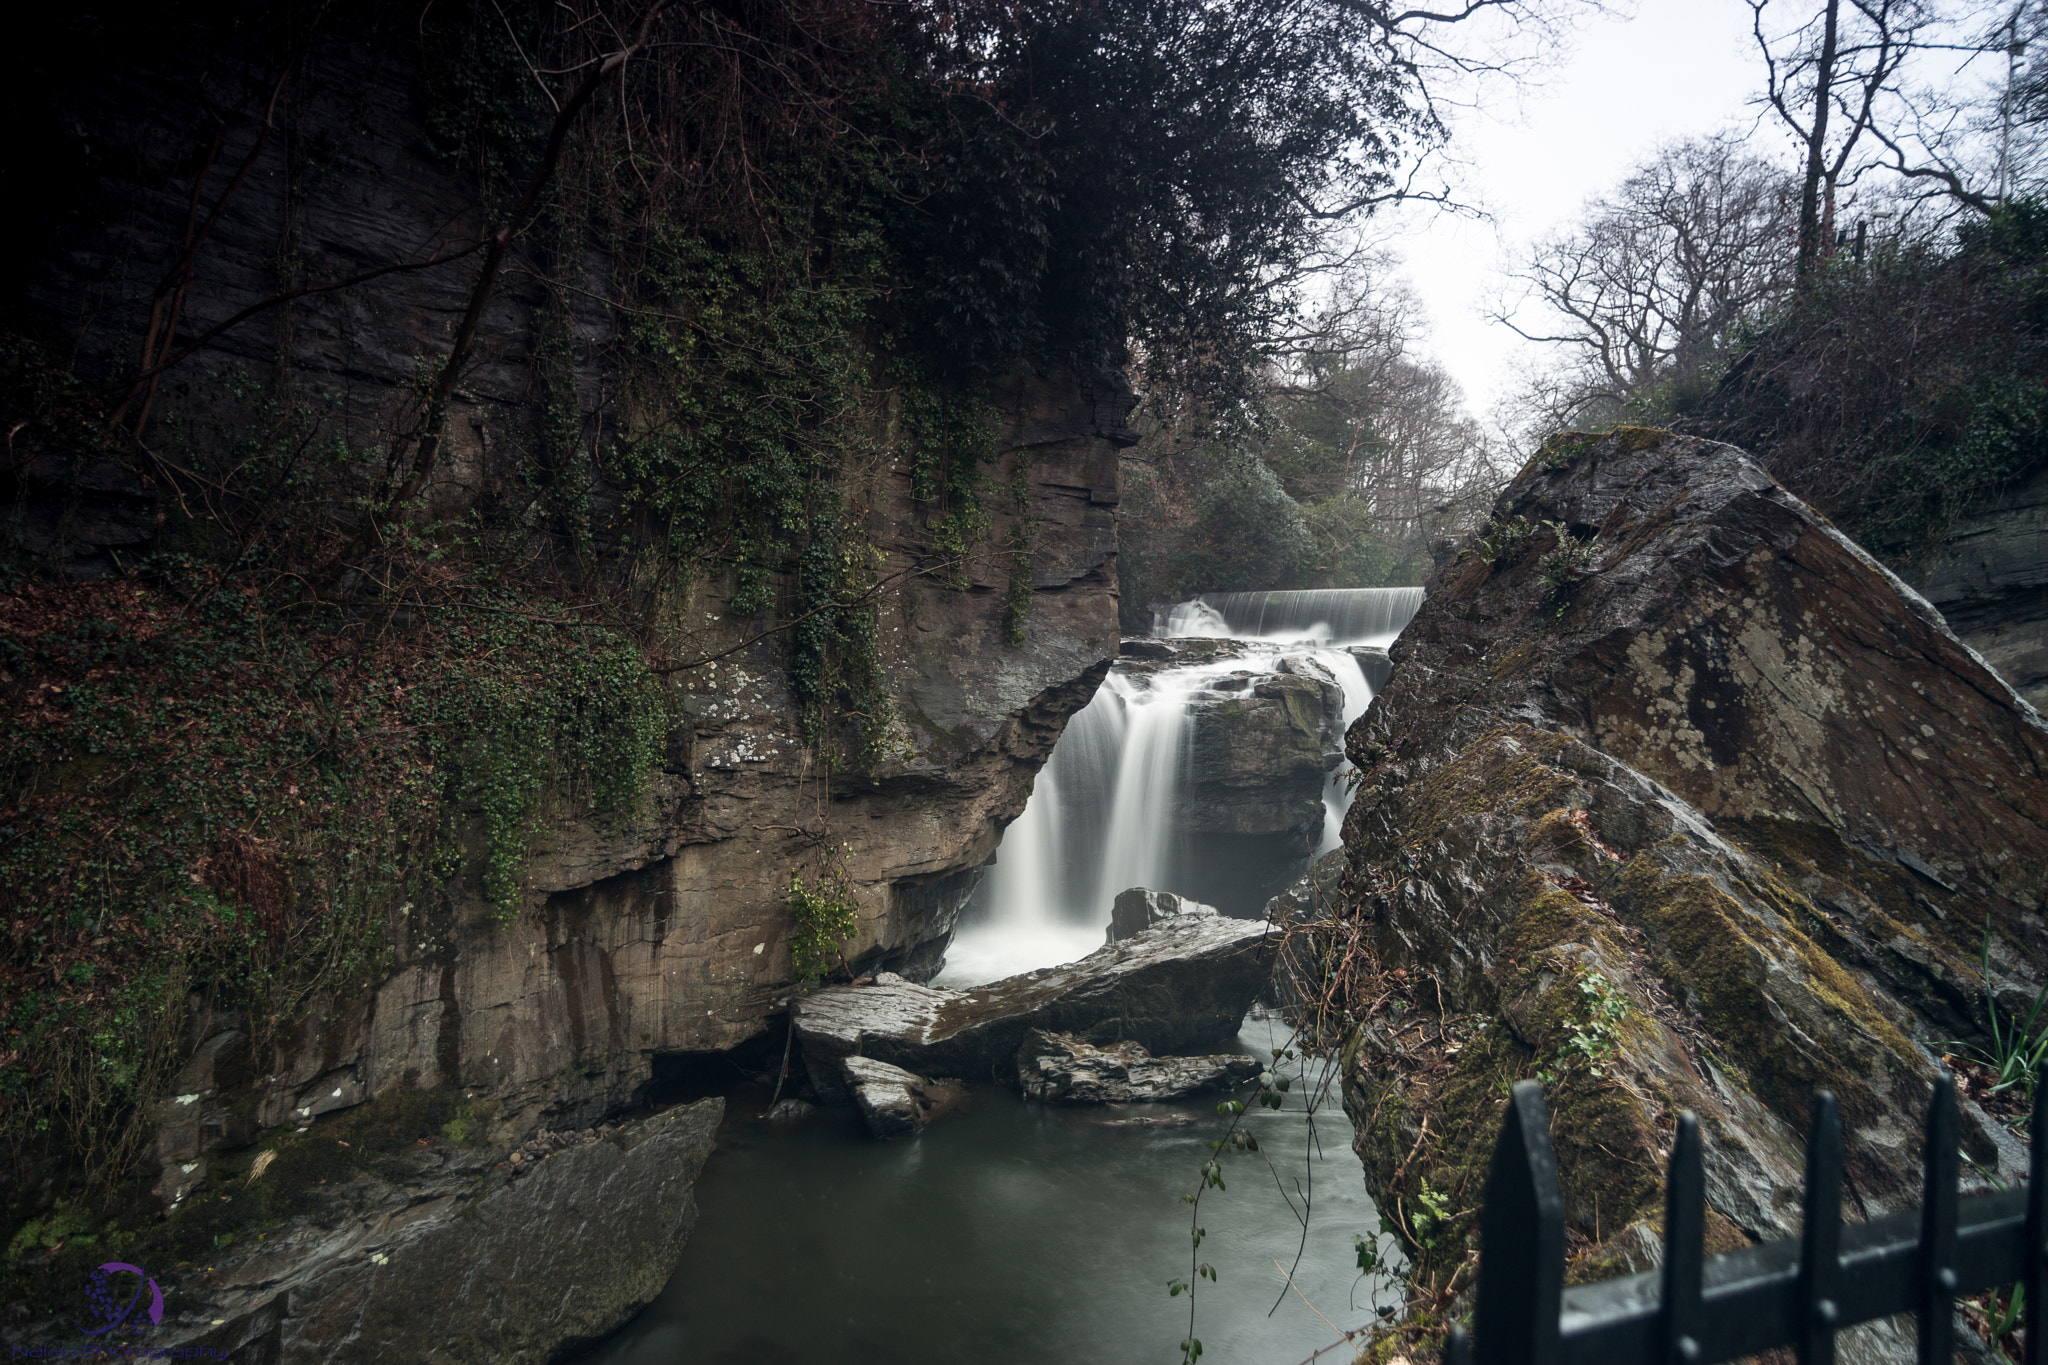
(527, 707)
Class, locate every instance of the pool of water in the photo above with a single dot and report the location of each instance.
(1012, 1231)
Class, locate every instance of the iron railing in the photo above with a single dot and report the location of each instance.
(1799, 1291)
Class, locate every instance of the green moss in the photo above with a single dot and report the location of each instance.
(1504, 772)
(1603, 1131)
(1715, 958)
(1566, 446)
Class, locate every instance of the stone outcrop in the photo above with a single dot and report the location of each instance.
(1261, 741)
(461, 1257)
(1138, 909)
(894, 1102)
(1062, 1068)
(1990, 580)
(1705, 811)
(1181, 984)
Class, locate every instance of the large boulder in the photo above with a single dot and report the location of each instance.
(1179, 985)
(464, 1259)
(894, 1102)
(1680, 800)
(1065, 1069)
(1139, 908)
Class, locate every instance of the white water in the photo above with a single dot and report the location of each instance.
(1330, 616)
(1101, 816)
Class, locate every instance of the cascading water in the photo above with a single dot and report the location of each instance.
(1332, 616)
(1104, 813)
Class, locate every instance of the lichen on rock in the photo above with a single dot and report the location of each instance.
(1719, 821)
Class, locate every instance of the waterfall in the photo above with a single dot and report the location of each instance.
(1101, 815)
(1337, 616)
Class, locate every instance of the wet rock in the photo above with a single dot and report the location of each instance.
(1178, 985)
(1139, 908)
(1705, 813)
(1314, 894)
(789, 1111)
(1376, 663)
(1065, 1069)
(469, 1258)
(895, 1102)
(1260, 744)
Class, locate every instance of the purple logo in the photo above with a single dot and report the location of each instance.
(104, 1295)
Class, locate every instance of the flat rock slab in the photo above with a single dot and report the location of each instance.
(1061, 1068)
(1182, 984)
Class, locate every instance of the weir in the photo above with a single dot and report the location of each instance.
(1109, 810)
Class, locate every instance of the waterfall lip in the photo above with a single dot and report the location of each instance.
(1334, 617)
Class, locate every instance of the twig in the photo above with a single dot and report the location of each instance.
(1304, 1298)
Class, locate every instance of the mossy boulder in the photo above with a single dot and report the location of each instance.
(1725, 819)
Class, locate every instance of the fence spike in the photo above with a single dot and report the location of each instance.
(1938, 1206)
(1820, 1239)
(1685, 1234)
(2035, 1275)
(1521, 1241)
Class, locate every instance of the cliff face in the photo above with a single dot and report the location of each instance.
(1680, 801)
(671, 937)
(1990, 580)
(665, 934)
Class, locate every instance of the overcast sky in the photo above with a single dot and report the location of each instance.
(1679, 67)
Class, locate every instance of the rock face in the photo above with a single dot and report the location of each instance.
(1139, 908)
(1706, 813)
(1064, 1069)
(1181, 984)
(465, 1263)
(1259, 741)
(1991, 582)
(1260, 744)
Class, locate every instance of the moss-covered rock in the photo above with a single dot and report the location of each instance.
(1724, 820)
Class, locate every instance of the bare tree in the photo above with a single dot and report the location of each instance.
(1923, 92)
(1645, 295)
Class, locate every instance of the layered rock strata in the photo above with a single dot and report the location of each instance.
(665, 932)
(1062, 1068)
(1701, 810)
(1990, 580)
(1179, 985)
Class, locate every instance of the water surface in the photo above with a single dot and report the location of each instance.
(1010, 1232)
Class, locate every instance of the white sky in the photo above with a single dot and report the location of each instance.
(1679, 67)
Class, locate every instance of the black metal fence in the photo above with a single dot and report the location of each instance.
(1795, 1292)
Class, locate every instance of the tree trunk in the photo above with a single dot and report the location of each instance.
(1811, 229)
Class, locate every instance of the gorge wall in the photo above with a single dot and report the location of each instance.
(664, 934)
